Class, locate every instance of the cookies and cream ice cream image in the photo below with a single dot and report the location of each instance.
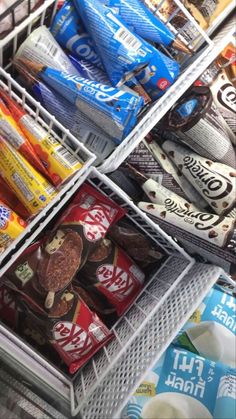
(184, 385)
(216, 182)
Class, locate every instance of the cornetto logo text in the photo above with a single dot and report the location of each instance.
(202, 221)
(227, 96)
(214, 185)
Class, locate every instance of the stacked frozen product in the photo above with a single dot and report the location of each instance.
(71, 285)
(186, 166)
(110, 70)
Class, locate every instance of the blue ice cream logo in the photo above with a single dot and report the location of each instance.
(101, 92)
(4, 217)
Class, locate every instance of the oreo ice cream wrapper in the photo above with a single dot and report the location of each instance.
(122, 52)
(70, 33)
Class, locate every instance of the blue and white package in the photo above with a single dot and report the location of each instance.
(121, 51)
(113, 109)
(142, 20)
(159, 75)
(183, 385)
(89, 71)
(85, 130)
(211, 330)
(70, 33)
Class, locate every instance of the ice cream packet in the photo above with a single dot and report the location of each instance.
(110, 271)
(138, 246)
(70, 33)
(122, 52)
(77, 233)
(211, 330)
(183, 385)
(78, 334)
(112, 108)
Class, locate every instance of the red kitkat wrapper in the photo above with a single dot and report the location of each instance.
(114, 274)
(78, 335)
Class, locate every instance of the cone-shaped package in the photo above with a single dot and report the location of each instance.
(114, 109)
(142, 20)
(70, 33)
(122, 52)
(159, 75)
(214, 181)
(88, 70)
(41, 47)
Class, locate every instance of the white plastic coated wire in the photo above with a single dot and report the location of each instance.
(107, 398)
(68, 140)
(156, 112)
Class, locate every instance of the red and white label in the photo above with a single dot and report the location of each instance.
(72, 339)
(115, 280)
(97, 221)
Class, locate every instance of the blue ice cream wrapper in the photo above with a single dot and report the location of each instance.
(84, 129)
(114, 109)
(88, 70)
(159, 75)
(122, 52)
(142, 20)
(184, 385)
(211, 330)
(69, 31)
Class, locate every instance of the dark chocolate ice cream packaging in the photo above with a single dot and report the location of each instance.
(149, 158)
(199, 124)
(216, 182)
(224, 95)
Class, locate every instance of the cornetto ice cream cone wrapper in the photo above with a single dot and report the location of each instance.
(216, 182)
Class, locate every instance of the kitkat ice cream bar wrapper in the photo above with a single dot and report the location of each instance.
(210, 331)
(113, 274)
(183, 385)
(77, 335)
(79, 230)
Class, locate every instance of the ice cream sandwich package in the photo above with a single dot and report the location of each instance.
(183, 384)
(210, 331)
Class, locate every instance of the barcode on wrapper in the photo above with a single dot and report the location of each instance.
(49, 189)
(127, 39)
(22, 187)
(70, 159)
(52, 50)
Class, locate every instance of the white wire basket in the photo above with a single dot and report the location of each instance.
(189, 72)
(172, 292)
(68, 140)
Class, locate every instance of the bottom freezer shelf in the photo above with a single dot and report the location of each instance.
(115, 386)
